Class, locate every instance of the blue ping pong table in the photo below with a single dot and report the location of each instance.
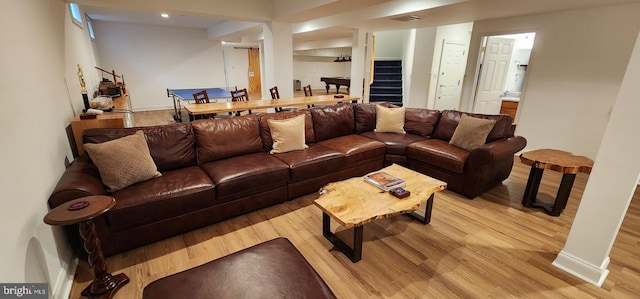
(186, 94)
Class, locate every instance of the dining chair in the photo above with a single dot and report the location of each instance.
(276, 95)
(202, 97)
(240, 95)
(308, 93)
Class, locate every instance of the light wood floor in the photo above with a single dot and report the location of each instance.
(489, 247)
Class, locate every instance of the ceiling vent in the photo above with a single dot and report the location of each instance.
(408, 18)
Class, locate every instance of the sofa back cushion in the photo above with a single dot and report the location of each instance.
(171, 146)
(265, 131)
(228, 137)
(417, 121)
(450, 118)
(333, 121)
(365, 116)
(421, 122)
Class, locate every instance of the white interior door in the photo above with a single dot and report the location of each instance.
(493, 75)
(452, 65)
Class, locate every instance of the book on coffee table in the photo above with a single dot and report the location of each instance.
(384, 180)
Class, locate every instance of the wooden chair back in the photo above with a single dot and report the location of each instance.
(274, 92)
(239, 95)
(307, 91)
(201, 97)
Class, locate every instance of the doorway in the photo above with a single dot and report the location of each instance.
(255, 81)
(452, 64)
(503, 63)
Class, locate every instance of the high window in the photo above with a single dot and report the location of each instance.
(90, 27)
(76, 16)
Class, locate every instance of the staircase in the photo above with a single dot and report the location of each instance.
(387, 82)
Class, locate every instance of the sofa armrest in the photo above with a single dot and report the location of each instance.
(496, 150)
(80, 179)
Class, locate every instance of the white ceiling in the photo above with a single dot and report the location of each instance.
(320, 20)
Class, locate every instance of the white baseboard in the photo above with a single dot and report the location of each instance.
(582, 269)
(62, 287)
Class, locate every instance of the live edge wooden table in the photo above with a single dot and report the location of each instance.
(557, 160)
(354, 203)
(83, 211)
(210, 108)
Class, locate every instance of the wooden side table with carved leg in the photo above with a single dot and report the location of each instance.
(83, 211)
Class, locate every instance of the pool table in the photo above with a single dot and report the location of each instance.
(337, 81)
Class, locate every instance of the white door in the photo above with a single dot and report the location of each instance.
(452, 65)
(493, 75)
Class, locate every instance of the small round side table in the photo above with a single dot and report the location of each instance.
(82, 211)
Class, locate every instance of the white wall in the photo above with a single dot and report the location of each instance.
(34, 144)
(456, 32)
(390, 45)
(575, 70)
(417, 86)
(154, 58)
(79, 50)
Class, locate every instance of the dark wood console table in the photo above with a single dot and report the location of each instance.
(82, 211)
(337, 81)
(557, 160)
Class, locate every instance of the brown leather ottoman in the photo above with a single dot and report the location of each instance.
(273, 269)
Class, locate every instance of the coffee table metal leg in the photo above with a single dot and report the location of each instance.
(533, 183)
(427, 212)
(355, 253)
(563, 194)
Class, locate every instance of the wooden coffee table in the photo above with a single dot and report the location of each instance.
(354, 203)
(561, 161)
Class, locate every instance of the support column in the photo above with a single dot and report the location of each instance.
(277, 59)
(610, 188)
(358, 55)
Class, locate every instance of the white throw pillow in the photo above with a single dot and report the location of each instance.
(287, 134)
(389, 120)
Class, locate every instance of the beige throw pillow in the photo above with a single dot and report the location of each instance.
(123, 162)
(471, 132)
(287, 134)
(389, 120)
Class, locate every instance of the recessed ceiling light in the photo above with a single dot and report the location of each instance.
(164, 15)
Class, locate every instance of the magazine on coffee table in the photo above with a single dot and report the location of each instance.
(384, 180)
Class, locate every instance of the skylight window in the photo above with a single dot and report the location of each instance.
(76, 16)
(90, 27)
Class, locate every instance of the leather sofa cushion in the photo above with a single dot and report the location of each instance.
(450, 118)
(273, 269)
(171, 146)
(175, 193)
(420, 122)
(356, 148)
(438, 153)
(365, 116)
(333, 121)
(265, 131)
(315, 161)
(396, 143)
(245, 175)
(229, 137)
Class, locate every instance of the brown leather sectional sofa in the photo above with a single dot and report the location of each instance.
(214, 170)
